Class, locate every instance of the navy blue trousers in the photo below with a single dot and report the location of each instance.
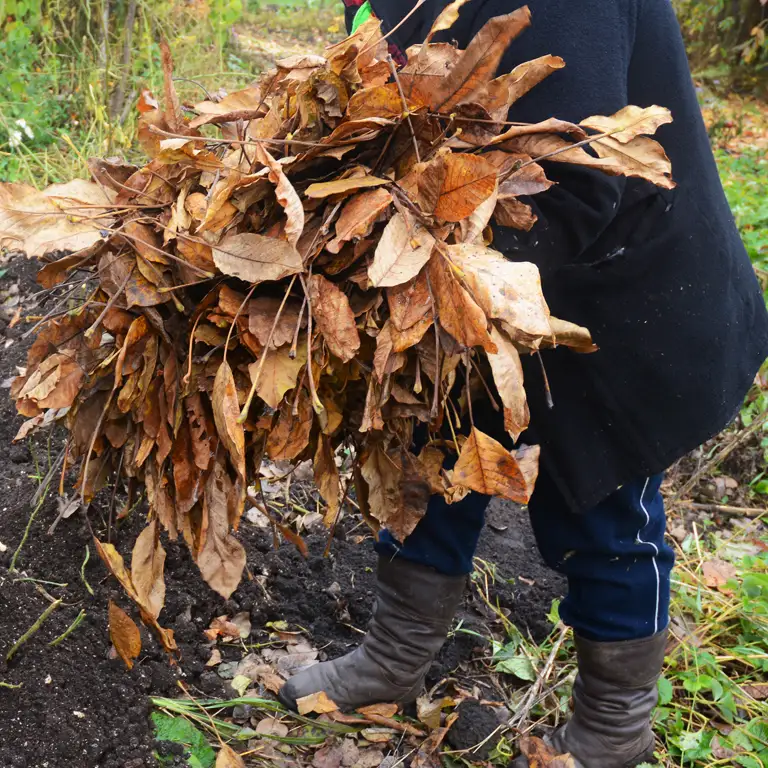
(614, 556)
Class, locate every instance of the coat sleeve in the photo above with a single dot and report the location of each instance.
(595, 38)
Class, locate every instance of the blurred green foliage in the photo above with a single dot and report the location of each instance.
(726, 38)
(74, 69)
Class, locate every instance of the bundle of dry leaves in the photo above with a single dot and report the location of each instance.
(315, 275)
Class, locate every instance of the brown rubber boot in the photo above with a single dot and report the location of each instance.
(413, 613)
(613, 697)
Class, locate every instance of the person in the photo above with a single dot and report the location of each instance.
(664, 284)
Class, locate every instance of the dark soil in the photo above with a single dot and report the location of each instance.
(78, 707)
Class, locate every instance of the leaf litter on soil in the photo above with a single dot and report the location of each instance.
(315, 277)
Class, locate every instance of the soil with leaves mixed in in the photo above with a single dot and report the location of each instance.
(78, 706)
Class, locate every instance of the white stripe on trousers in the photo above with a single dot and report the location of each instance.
(656, 553)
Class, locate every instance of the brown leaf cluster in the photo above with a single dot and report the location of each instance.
(305, 266)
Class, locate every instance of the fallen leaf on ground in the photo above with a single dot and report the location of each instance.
(319, 703)
(124, 634)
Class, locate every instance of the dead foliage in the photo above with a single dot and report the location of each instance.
(302, 266)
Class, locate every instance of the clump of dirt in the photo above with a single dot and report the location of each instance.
(475, 729)
(78, 707)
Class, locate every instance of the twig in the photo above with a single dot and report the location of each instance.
(69, 630)
(718, 458)
(405, 106)
(10, 685)
(547, 390)
(435, 320)
(265, 353)
(726, 509)
(530, 698)
(31, 631)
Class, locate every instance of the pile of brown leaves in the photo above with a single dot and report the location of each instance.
(317, 275)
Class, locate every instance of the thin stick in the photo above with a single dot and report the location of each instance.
(467, 368)
(433, 412)
(112, 299)
(726, 509)
(264, 354)
(488, 392)
(524, 709)
(69, 630)
(547, 391)
(31, 631)
(407, 112)
(316, 404)
(394, 29)
(234, 319)
(719, 457)
(294, 343)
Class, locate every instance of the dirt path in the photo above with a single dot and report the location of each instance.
(78, 707)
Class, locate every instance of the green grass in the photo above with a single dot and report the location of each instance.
(745, 180)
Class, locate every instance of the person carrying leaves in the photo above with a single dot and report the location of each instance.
(664, 284)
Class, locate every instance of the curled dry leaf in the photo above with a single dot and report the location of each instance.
(147, 564)
(319, 703)
(124, 634)
(334, 317)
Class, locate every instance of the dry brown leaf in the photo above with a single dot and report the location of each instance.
(327, 478)
(290, 436)
(457, 311)
(226, 413)
(124, 634)
(286, 195)
(383, 710)
(397, 495)
(540, 755)
(147, 566)
(478, 63)
(452, 186)
(717, 573)
(261, 317)
(576, 337)
(630, 122)
(404, 248)
(508, 377)
(506, 290)
(380, 101)
(446, 18)
(487, 467)
(228, 758)
(499, 95)
(221, 559)
(256, 258)
(319, 703)
(334, 317)
(343, 186)
(359, 215)
(279, 373)
(511, 212)
(409, 303)
(429, 712)
(63, 217)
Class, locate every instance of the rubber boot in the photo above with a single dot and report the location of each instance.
(613, 697)
(413, 614)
